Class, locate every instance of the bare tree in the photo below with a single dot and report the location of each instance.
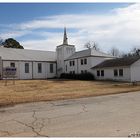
(135, 51)
(115, 52)
(87, 45)
(90, 45)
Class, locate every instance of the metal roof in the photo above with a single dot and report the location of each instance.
(89, 52)
(64, 45)
(26, 55)
(126, 61)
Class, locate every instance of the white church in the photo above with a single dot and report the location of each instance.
(34, 64)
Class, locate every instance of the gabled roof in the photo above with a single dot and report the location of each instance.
(26, 55)
(126, 61)
(87, 53)
(65, 45)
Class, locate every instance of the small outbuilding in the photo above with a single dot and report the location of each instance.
(119, 69)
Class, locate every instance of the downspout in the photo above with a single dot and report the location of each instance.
(18, 70)
(130, 74)
(32, 70)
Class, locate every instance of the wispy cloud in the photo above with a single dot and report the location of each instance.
(118, 28)
(14, 34)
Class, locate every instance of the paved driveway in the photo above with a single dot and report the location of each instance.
(112, 115)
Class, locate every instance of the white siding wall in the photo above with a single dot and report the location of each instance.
(68, 51)
(91, 62)
(84, 66)
(22, 74)
(37, 75)
(71, 68)
(60, 59)
(33, 73)
(63, 52)
(135, 71)
(49, 74)
(109, 74)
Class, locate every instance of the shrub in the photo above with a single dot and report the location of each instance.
(82, 76)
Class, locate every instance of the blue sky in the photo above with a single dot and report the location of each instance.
(40, 25)
(20, 12)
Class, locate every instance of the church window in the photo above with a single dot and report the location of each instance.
(102, 72)
(81, 61)
(39, 68)
(51, 68)
(73, 63)
(98, 73)
(26, 67)
(120, 72)
(70, 63)
(115, 72)
(12, 64)
(85, 61)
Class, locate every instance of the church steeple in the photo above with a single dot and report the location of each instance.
(65, 39)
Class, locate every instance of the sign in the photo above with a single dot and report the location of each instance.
(9, 72)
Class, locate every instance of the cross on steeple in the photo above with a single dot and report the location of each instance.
(65, 39)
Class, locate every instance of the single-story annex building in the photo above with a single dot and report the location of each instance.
(120, 69)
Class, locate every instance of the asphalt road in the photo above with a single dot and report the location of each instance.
(104, 116)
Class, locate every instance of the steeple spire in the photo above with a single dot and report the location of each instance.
(65, 39)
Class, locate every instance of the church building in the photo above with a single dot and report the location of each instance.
(35, 64)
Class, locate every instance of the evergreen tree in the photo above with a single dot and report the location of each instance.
(12, 43)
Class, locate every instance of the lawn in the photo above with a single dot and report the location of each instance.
(47, 90)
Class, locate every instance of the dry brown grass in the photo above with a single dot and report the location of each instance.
(47, 90)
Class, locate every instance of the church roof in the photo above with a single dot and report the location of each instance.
(127, 61)
(26, 55)
(87, 53)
